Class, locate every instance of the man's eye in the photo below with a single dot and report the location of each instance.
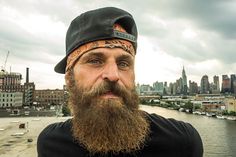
(123, 64)
(95, 61)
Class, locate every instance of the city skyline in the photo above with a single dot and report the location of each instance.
(26, 79)
(210, 79)
(200, 37)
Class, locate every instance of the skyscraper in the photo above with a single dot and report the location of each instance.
(193, 88)
(205, 87)
(232, 83)
(179, 85)
(184, 82)
(226, 84)
(216, 85)
(158, 87)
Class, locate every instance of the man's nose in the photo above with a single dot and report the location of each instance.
(111, 72)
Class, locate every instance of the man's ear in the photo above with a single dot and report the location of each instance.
(69, 78)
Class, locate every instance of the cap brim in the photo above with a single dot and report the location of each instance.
(61, 66)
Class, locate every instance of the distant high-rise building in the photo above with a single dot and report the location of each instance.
(226, 84)
(174, 88)
(216, 85)
(171, 85)
(184, 83)
(145, 88)
(216, 82)
(232, 83)
(193, 88)
(158, 87)
(166, 89)
(179, 85)
(205, 87)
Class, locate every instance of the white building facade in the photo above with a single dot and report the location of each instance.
(11, 99)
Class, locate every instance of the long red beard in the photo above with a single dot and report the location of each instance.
(108, 125)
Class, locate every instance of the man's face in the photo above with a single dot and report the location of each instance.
(114, 65)
(104, 102)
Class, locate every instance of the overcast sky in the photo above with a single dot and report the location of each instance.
(197, 34)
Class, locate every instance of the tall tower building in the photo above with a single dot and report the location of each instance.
(193, 88)
(205, 87)
(233, 83)
(184, 82)
(178, 86)
(226, 84)
(158, 87)
(216, 85)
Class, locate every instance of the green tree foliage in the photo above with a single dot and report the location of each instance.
(66, 110)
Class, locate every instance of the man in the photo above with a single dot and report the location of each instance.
(99, 72)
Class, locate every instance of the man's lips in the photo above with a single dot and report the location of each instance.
(109, 94)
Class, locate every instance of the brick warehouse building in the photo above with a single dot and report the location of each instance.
(50, 97)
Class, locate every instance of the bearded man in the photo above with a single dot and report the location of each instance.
(99, 72)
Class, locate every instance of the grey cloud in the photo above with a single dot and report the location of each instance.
(213, 15)
(215, 19)
(25, 45)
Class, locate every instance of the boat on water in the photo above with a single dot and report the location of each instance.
(210, 114)
(231, 118)
(197, 112)
(221, 117)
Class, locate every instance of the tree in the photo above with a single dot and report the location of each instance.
(188, 105)
(65, 111)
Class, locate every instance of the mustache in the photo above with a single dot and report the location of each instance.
(107, 86)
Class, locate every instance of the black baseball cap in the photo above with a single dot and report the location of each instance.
(98, 25)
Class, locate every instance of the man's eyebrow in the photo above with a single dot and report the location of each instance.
(96, 54)
(125, 56)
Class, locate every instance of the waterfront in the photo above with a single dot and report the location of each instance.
(218, 135)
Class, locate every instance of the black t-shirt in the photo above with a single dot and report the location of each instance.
(168, 138)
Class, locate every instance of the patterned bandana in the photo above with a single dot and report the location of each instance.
(110, 43)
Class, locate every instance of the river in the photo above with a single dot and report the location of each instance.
(218, 136)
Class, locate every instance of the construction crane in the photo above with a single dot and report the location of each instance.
(4, 66)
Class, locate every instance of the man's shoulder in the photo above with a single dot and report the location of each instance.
(174, 134)
(158, 122)
(57, 140)
(56, 131)
(56, 128)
